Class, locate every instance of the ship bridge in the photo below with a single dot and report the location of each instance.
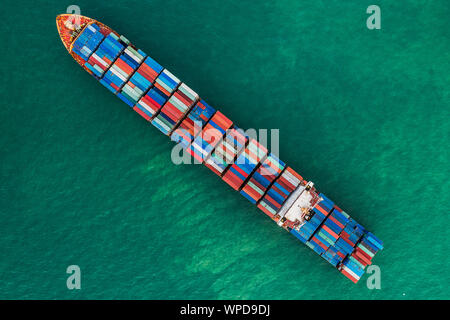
(298, 206)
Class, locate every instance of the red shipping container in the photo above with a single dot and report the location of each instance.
(141, 113)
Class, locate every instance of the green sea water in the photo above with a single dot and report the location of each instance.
(362, 113)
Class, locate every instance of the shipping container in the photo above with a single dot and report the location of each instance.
(118, 74)
(87, 42)
(225, 152)
(106, 53)
(210, 136)
(167, 82)
(176, 108)
(193, 124)
(279, 191)
(244, 165)
(152, 101)
(269, 170)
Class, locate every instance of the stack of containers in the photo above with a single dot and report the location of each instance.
(154, 99)
(331, 230)
(353, 267)
(147, 73)
(339, 239)
(244, 165)
(279, 191)
(121, 71)
(150, 103)
(333, 256)
(351, 236)
(369, 246)
(343, 245)
(226, 150)
(211, 135)
(175, 109)
(167, 82)
(269, 170)
(104, 56)
(88, 41)
(192, 125)
(143, 79)
(351, 233)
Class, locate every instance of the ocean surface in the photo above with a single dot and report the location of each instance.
(365, 114)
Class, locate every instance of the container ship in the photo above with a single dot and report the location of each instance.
(212, 139)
